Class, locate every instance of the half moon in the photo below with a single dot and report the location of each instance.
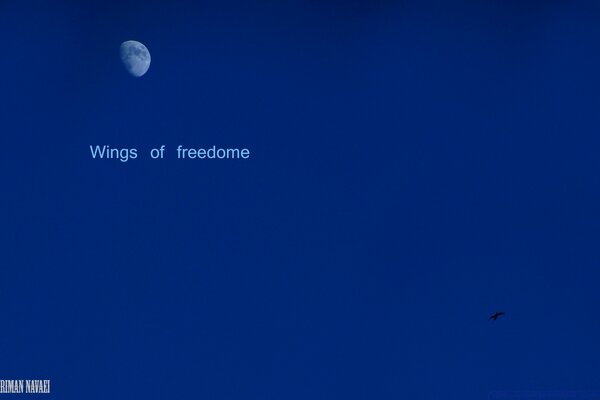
(135, 57)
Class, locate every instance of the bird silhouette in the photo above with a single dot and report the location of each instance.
(495, 316)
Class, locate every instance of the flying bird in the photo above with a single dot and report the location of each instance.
(495, 316)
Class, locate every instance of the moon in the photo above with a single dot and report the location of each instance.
(135, 57)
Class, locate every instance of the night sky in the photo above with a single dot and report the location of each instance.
(415, 166)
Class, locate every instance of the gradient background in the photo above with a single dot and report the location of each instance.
(415, 166)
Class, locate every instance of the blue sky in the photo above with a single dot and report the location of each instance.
(415, 167)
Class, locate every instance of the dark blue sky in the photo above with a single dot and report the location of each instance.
(415, 167)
